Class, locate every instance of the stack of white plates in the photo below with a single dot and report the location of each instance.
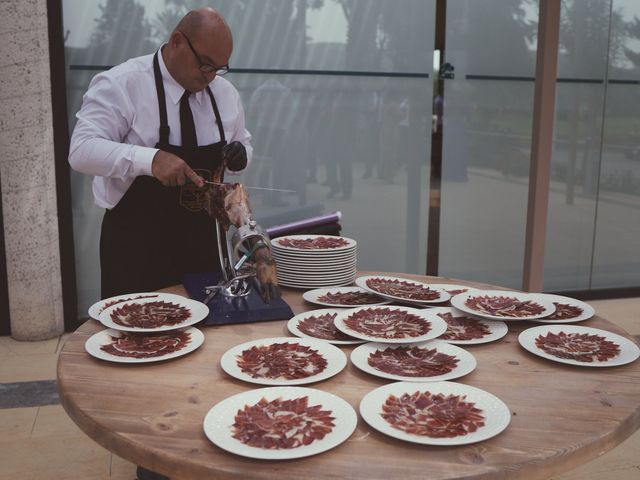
(314, 261)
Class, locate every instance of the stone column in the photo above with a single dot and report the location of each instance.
(27, 172)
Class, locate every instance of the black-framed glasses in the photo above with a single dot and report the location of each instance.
(206, 67)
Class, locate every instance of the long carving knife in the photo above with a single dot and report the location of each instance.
(254, 188)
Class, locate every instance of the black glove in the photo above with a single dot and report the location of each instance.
(235, 156)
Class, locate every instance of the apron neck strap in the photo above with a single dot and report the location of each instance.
(217, 114)
(162, 102)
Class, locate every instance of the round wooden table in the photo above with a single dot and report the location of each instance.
(152, 414)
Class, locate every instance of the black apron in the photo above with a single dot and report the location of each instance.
(156, 234)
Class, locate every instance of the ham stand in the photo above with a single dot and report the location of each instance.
(235, 253)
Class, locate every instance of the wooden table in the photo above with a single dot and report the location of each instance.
(152, 414)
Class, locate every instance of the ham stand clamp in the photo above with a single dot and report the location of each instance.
(235, 253)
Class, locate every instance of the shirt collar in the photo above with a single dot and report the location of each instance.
(172, 88)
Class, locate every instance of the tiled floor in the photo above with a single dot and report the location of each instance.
(42, 443)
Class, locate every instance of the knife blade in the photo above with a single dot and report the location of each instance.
(254, 188)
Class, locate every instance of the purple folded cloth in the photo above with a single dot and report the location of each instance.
(278, 230)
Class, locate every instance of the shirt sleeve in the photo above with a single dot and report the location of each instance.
(104, 120)
(241, 134)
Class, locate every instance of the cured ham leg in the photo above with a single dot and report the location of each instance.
(229, 204)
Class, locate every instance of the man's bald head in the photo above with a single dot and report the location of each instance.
(206, 24)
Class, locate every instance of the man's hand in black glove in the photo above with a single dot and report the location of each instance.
(235, 156)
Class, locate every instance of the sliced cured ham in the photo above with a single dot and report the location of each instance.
(412, 361)
(463, 328)
(282, 424)
(402, 289)
(387, 323)
(349, 298)
(147, 345)
(322, 326)
(288, 361)
(581, 347)
(432, 415)
(503, 306)
(313, 243)
(564, 312)
(150, 315)
(120, 300)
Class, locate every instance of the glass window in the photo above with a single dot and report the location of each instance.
(487, 140)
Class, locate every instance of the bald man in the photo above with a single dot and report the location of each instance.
(151, 131)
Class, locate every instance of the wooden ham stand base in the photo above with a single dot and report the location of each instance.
(152, 414)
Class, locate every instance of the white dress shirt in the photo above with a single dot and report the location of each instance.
(118, 124)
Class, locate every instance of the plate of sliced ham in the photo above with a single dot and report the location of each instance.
(390, 324)
(319, 324)
(343, 297)
(283, 361)
(503, 304)
(313, 244)
(568, 310)
(131, 347)
(435, 413)
(153, 314)
(278, 423)
(96, 309)
(465, 329)
(402, 289)
(417, 362)
(578, 345)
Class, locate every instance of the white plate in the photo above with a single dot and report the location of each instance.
(466, 362)
(329, 268)
(362, 282)
(497, 328)
(197, 310)
(438, 326)
(629, 351)
(587, 310)
(336, 360)
(97, 340)
(307, 286)
(312, 277)
(277, 245)
(313, 296)
(319, 257)
(98, 307)
(292, 325)
(496, 413)
(458, 301)
(219, 421)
